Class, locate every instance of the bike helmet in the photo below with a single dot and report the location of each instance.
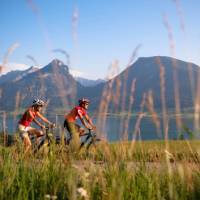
(83, 101)
(38, 102)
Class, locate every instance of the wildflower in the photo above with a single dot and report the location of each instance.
(48, 196)
(82, 192)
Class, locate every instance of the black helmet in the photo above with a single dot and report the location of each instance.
(38, 102)
(83, 101)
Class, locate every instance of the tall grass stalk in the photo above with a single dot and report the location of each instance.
(119, 173)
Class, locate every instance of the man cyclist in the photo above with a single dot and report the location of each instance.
(78, 112)
(30, 115)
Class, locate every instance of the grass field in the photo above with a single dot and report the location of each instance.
(141, 170)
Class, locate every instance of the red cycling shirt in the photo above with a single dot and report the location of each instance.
(76, 112)
(28, 117)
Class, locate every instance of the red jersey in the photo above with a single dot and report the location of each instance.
(76, 112)
(27, 118)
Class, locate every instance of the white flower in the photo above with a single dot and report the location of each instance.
(47, 196)
(82, 192)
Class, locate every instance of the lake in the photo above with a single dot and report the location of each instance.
(112, 127)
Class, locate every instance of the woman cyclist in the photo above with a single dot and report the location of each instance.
(30, 115)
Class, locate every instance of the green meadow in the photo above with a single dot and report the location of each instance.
(122, 170)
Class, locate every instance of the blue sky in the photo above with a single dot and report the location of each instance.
(103, 30)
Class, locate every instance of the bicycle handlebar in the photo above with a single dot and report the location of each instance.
(50, 127)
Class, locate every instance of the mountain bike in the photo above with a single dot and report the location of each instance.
(87, 139)
(42, 141)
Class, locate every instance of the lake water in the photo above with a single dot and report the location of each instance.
(113, 128)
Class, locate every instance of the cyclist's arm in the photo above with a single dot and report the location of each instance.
(82, 120)
(90, 121)
(43, 118)
(38, 123)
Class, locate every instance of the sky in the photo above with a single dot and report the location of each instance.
(90, 35)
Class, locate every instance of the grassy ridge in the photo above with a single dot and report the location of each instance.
(111, 171)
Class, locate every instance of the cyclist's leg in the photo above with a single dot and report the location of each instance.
(38, 133)
(74, 131)
(34, 131)
(81, 131)
(76, 137)
(68, 134)
(23, 131)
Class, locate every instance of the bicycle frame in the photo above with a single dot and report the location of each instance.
(87, 139)
(38, 142)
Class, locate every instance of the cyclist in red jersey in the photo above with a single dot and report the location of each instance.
(28, 117)
(78, 112)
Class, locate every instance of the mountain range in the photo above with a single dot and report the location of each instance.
(89, 83)
(61, 90)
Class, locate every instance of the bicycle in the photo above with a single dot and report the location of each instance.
(91, 139)
(43, 140)
(86, 139)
